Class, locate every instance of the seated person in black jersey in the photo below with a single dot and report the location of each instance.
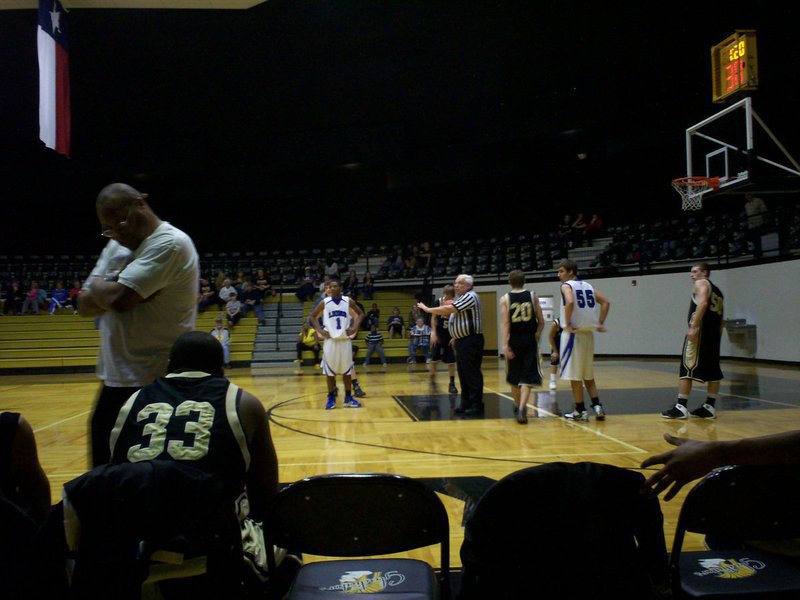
(196, 416)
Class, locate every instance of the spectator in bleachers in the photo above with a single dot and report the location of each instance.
(238, 281)
(350, 285)
(264, 284)
(375, 343)
(425, 254)
(577, 228)
(593, 229)
(32, 299)
(307, 341)
(206, 294)
(219, 280)
(396, 264)
(395, 324)
(564, 230)
(74, 292)
(233, 309)
(224, 293)
(251, 300)
(59, 298)
(414, 314)
(373, 317)
(306, 290)
(367, 286)
(412, 260)
(419, 339)
(331, 269)
(15, 298)
(223, 336)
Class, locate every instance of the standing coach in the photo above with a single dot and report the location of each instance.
(466, 328)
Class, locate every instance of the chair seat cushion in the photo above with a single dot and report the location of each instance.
(398, 579)
(731, 573)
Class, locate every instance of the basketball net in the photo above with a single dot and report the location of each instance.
(692, 189)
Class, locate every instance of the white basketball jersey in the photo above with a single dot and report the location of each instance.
(585, 309)
(336, 316)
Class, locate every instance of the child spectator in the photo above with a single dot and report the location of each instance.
(32, 299)
(15, 297)
(419, 338)
(233, 309)
(223, 336)
(74, 292)
(373, 317)
(374, 342)
(59, 298)
(308, 341)
(394, 324)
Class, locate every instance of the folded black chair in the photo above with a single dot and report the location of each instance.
(361, 515)
(563, 531)
(741, 510)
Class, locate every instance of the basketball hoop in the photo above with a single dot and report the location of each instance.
(692, 189)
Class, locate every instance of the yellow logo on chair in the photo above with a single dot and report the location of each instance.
(366, 582)
(729, 568)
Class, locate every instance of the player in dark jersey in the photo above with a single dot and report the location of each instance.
(700, 356)
(441, 342)
(521, 321)
(195, 414)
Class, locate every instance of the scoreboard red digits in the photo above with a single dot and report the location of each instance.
(734, 65)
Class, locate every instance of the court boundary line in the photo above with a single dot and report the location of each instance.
(576, 424)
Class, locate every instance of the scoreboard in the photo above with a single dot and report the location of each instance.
(734, 65)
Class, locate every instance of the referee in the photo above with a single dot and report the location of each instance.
(466, 327)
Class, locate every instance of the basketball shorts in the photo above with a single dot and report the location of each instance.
(443, 350)
(577, 356)
(700, 359)
(524, 368)
(337, 356)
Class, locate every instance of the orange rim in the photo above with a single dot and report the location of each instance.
(690, 182)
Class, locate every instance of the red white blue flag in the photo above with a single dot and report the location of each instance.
(54, 112)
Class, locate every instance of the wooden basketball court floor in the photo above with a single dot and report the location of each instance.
(406, 425)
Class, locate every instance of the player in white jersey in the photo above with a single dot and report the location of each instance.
(583, 309)
(340, 321)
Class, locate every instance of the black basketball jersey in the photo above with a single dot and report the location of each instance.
(442, 321)
(185, 417)
(712, 320)
(521, 314)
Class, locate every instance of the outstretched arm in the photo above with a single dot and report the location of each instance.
(693, 459)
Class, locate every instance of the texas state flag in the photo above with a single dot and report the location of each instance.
(54, 113)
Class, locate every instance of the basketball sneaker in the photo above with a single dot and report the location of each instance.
(577, 415)
(679, 411)
(452, 389)
(522, 415)
(350, 402)
(553, 386)
(707, 411)
(599, 413)
(331, 402)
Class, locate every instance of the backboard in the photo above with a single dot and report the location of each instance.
(737, 146)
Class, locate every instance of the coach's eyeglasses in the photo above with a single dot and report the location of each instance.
(112, 231)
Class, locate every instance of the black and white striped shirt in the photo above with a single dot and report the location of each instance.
(467, 320)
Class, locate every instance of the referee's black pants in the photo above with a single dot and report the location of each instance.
(469, 356)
